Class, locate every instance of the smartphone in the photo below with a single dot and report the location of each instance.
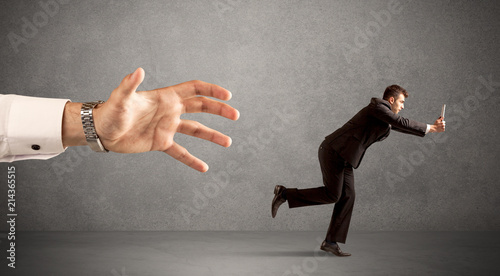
(442, 111)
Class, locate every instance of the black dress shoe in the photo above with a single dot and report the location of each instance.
(278, 199)
(333, 248)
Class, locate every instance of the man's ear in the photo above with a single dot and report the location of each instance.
(391, 100)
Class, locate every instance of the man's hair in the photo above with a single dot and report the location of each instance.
(394, 91)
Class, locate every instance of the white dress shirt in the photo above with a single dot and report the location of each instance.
(30, 127)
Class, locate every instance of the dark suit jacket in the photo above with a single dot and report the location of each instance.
(372, 124)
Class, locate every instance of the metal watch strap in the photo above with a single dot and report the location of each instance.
(89, 127)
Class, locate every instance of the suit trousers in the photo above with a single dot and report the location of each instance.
(338, 181)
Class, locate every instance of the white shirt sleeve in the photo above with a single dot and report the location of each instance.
(30, 127)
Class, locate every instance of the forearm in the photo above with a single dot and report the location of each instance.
(398, 122)
(72, 129)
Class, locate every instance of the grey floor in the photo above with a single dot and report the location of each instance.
(252, 253)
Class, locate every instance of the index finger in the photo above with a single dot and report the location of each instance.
(200, 88)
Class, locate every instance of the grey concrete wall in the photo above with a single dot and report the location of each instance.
(298, 70)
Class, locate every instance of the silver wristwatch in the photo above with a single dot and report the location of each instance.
(89, 127)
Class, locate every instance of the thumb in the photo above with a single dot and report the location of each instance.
(130, 83)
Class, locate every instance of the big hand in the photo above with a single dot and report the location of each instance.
(130, 121)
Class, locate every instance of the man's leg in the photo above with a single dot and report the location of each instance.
(342, 212)
(332, 168)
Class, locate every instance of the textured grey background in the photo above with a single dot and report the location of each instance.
(298, 70)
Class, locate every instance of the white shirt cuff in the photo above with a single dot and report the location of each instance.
(428, 129)
(33, 127)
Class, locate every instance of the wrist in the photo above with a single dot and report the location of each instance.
(89, 126)
(432, 128)
(72, 131)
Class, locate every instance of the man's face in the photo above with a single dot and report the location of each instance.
(397, 104)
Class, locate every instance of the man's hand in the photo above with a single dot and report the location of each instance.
(438, 126)
(131, 122)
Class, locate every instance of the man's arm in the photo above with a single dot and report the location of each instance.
(404, 125)
(129, 121)
(438, 126)
(397, 122)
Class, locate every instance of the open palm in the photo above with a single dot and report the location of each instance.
(133, 121)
